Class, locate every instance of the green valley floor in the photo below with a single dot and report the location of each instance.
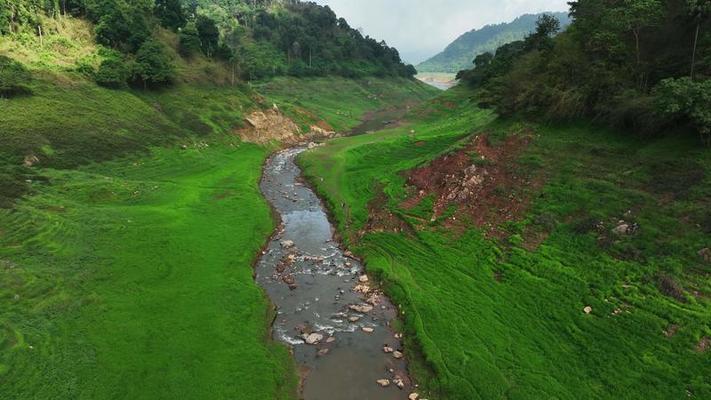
(129, 231)
(532, 261)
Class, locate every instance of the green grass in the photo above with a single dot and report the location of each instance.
(342, 103)
(133, 279)
(524, 335)
(126, 252)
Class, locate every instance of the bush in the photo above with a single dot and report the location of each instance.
(113, 73)
(687, 100)
(13, 78)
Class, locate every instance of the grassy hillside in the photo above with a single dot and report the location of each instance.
(460, 54)
(130, 220)
(494, 290)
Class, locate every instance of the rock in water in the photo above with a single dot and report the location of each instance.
(313, 338)
(383, 382)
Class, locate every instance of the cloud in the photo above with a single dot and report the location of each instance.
(422, 28)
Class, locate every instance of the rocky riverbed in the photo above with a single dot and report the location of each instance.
(337, 322)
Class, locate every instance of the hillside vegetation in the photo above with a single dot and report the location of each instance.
(643, 66)
(532, 261)
(460, 54)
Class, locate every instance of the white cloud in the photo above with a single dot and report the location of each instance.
(422, 28)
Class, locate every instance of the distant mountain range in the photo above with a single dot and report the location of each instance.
(460, 54)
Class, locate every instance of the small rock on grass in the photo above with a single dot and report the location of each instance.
(587, 309)
(413, 396)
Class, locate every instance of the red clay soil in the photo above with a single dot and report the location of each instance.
(487, 192)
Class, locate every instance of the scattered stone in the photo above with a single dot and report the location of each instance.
(363, 279)
(383, 382)
(361, 288)
(361, 308)
(323, 352)
(413, 396)
(399, 383)
(313, 338)
(354, 319)
(587, 309)
(287, 243)
(330, 339)
(388, 349)
(30, 160)
(368, 329)
(398, 336)
(621, 229)
(398, 354)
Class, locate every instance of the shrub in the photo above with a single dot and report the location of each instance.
(113, 73)
(13, 78)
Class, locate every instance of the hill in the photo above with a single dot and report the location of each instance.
(460, 53)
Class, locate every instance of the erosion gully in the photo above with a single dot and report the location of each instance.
(336, 322)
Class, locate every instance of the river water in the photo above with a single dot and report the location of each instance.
(323, 298)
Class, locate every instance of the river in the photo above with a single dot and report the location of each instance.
(337, 324)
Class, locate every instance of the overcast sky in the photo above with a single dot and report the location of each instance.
(420, 29)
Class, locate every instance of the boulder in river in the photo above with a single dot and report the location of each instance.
(367, 329)
(313, 338)
(287, 244)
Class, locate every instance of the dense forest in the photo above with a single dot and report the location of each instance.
(460, 52)
(258, 39)
(643, 65)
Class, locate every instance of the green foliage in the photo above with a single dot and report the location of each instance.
(604, 66)
(14, 78)
(153, 66)
(113, 73)
(208, 34)
(689, 101)
(122, 24)
(189, 41)
(170, 13)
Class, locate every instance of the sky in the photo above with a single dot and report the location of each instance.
(420, 29)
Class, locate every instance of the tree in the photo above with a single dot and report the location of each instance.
(699, 10)
(635, 15)
(689, 100)
(170, 13)
(189, 41)
(546, 27)
(153, 65)
(208, 33)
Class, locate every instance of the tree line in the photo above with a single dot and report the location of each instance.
(643, 65)
(257, 38)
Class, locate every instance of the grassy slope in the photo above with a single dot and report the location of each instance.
(125, 271)
(526, 337)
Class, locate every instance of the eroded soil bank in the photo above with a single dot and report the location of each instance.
(338, 324)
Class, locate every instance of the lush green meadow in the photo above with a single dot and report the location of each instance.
(503, 317)
(133, 279)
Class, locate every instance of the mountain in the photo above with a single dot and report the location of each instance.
(460, 53)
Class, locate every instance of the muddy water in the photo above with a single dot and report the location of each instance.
(318, 291)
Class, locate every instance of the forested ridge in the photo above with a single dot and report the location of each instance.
(458, 54)
(257, 39)
(641, 65)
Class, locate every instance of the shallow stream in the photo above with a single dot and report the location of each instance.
(337, 324)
